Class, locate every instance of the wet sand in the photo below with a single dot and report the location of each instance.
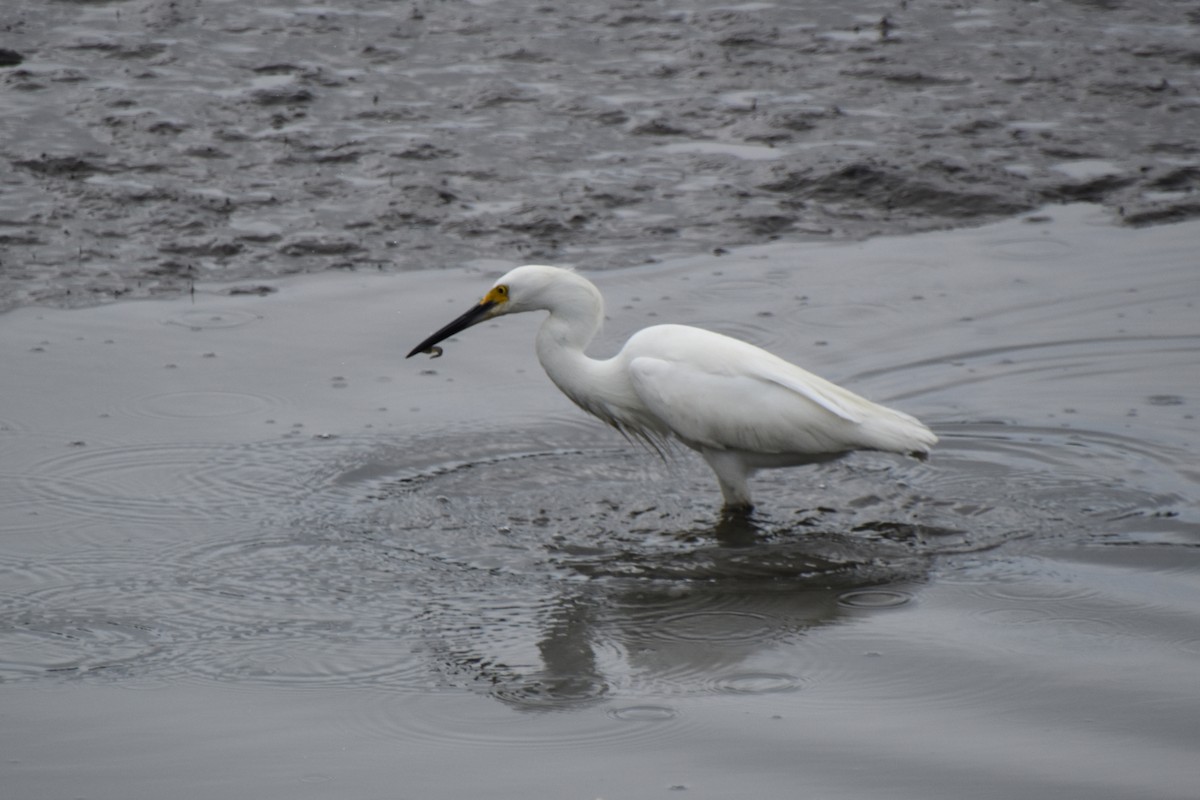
(249, 548)
(148, 144)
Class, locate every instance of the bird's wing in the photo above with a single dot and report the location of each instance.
(828, 396)
(740, 410)
(703, 350)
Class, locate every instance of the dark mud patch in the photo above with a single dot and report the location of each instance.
(153, 143)
(936, 190)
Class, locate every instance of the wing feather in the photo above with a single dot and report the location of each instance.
(716, 392)
(738, 412)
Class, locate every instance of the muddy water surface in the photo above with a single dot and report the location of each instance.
(248, 548)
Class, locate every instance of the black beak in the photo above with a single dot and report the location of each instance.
(478, 313)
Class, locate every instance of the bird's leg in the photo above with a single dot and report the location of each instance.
(732, 474)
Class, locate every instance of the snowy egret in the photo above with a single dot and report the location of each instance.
(742, 408)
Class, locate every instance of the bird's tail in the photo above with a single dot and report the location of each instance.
(897, 432)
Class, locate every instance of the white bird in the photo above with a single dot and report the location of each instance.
(742, 408)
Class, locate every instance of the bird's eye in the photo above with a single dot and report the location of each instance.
(502, 291)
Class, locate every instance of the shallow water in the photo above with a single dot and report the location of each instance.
(248, 547)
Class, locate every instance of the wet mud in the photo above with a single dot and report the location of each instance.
(147, 144)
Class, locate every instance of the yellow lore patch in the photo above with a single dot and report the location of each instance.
(497, 295)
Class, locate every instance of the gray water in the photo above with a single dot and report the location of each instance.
(250, 550)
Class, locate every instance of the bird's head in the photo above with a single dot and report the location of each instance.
(529, 288)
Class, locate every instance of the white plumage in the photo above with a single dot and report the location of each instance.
(742, 408)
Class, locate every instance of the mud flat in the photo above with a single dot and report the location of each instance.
(147, 144)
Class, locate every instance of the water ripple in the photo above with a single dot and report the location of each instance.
(202, 404)
(445, 719)
(542, 575)
(757, 683)
(167, 482)
(210, 318)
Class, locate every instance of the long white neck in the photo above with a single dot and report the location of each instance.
(576, 312)
(601, 387)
